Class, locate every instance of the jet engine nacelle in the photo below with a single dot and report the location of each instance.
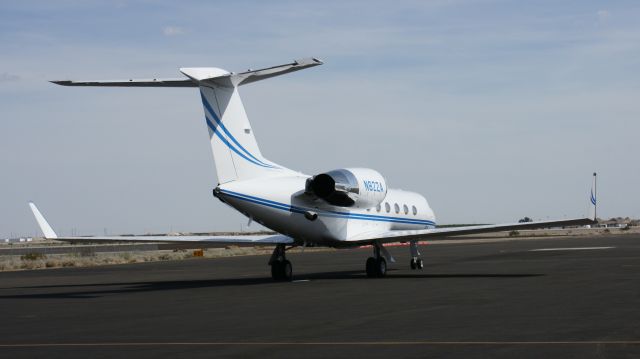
(349, 187)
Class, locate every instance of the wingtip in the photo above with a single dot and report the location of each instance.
(308, 61)
(45, 227)
(61, 82)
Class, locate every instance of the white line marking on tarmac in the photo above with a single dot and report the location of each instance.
(569, 249)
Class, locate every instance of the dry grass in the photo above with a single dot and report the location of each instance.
(27, 262)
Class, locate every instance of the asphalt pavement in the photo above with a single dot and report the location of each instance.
(543, 298)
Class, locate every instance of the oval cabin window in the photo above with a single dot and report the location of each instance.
(405, 208)
(387, 207)
(396, 207)
(415, 210)
(378, 207)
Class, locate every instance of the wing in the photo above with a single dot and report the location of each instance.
(423, 234)
(250, 240)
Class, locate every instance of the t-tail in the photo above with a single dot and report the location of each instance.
(233, 143)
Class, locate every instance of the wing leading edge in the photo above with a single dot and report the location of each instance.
(424, 234)
(250, 240)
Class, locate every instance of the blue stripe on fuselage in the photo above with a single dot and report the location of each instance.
(336, 214)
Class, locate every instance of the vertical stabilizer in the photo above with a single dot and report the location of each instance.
(235, 149)
(593, 200)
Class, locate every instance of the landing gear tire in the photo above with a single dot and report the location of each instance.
(287, 271)
(276, 271)
(416, 263)
(282, 271)
(371, 267)
(381, 267)
(376, 265)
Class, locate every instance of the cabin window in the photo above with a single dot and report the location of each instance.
(396, 207)
(387, 207)
(378, 208)
(405, 208)
(415, 210)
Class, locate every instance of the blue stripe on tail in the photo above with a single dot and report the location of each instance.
(224, 140)
(252, 158)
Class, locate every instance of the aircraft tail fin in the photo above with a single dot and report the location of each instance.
(593, 199)
(233, 143)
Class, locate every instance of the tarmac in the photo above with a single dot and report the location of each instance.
(542, 298)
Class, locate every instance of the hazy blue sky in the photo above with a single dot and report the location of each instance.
(494, 110)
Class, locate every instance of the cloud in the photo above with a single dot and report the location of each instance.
(172, 30)
(603, 15)
(6, 77)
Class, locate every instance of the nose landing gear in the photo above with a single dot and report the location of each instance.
(416, 261)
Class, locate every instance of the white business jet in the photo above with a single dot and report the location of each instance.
(342, 208)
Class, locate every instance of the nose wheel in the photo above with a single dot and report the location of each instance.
(416, 263)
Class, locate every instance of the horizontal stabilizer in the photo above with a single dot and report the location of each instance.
(221, 77)
(181, 82)
(257, 75)
(195, 75)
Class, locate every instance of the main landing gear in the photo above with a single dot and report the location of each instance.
(376, 265)
(416, 261)
(281, 269)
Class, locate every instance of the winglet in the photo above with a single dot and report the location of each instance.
(44, 225)
(593, 199)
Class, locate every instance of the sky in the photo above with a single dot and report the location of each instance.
(493, 110)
